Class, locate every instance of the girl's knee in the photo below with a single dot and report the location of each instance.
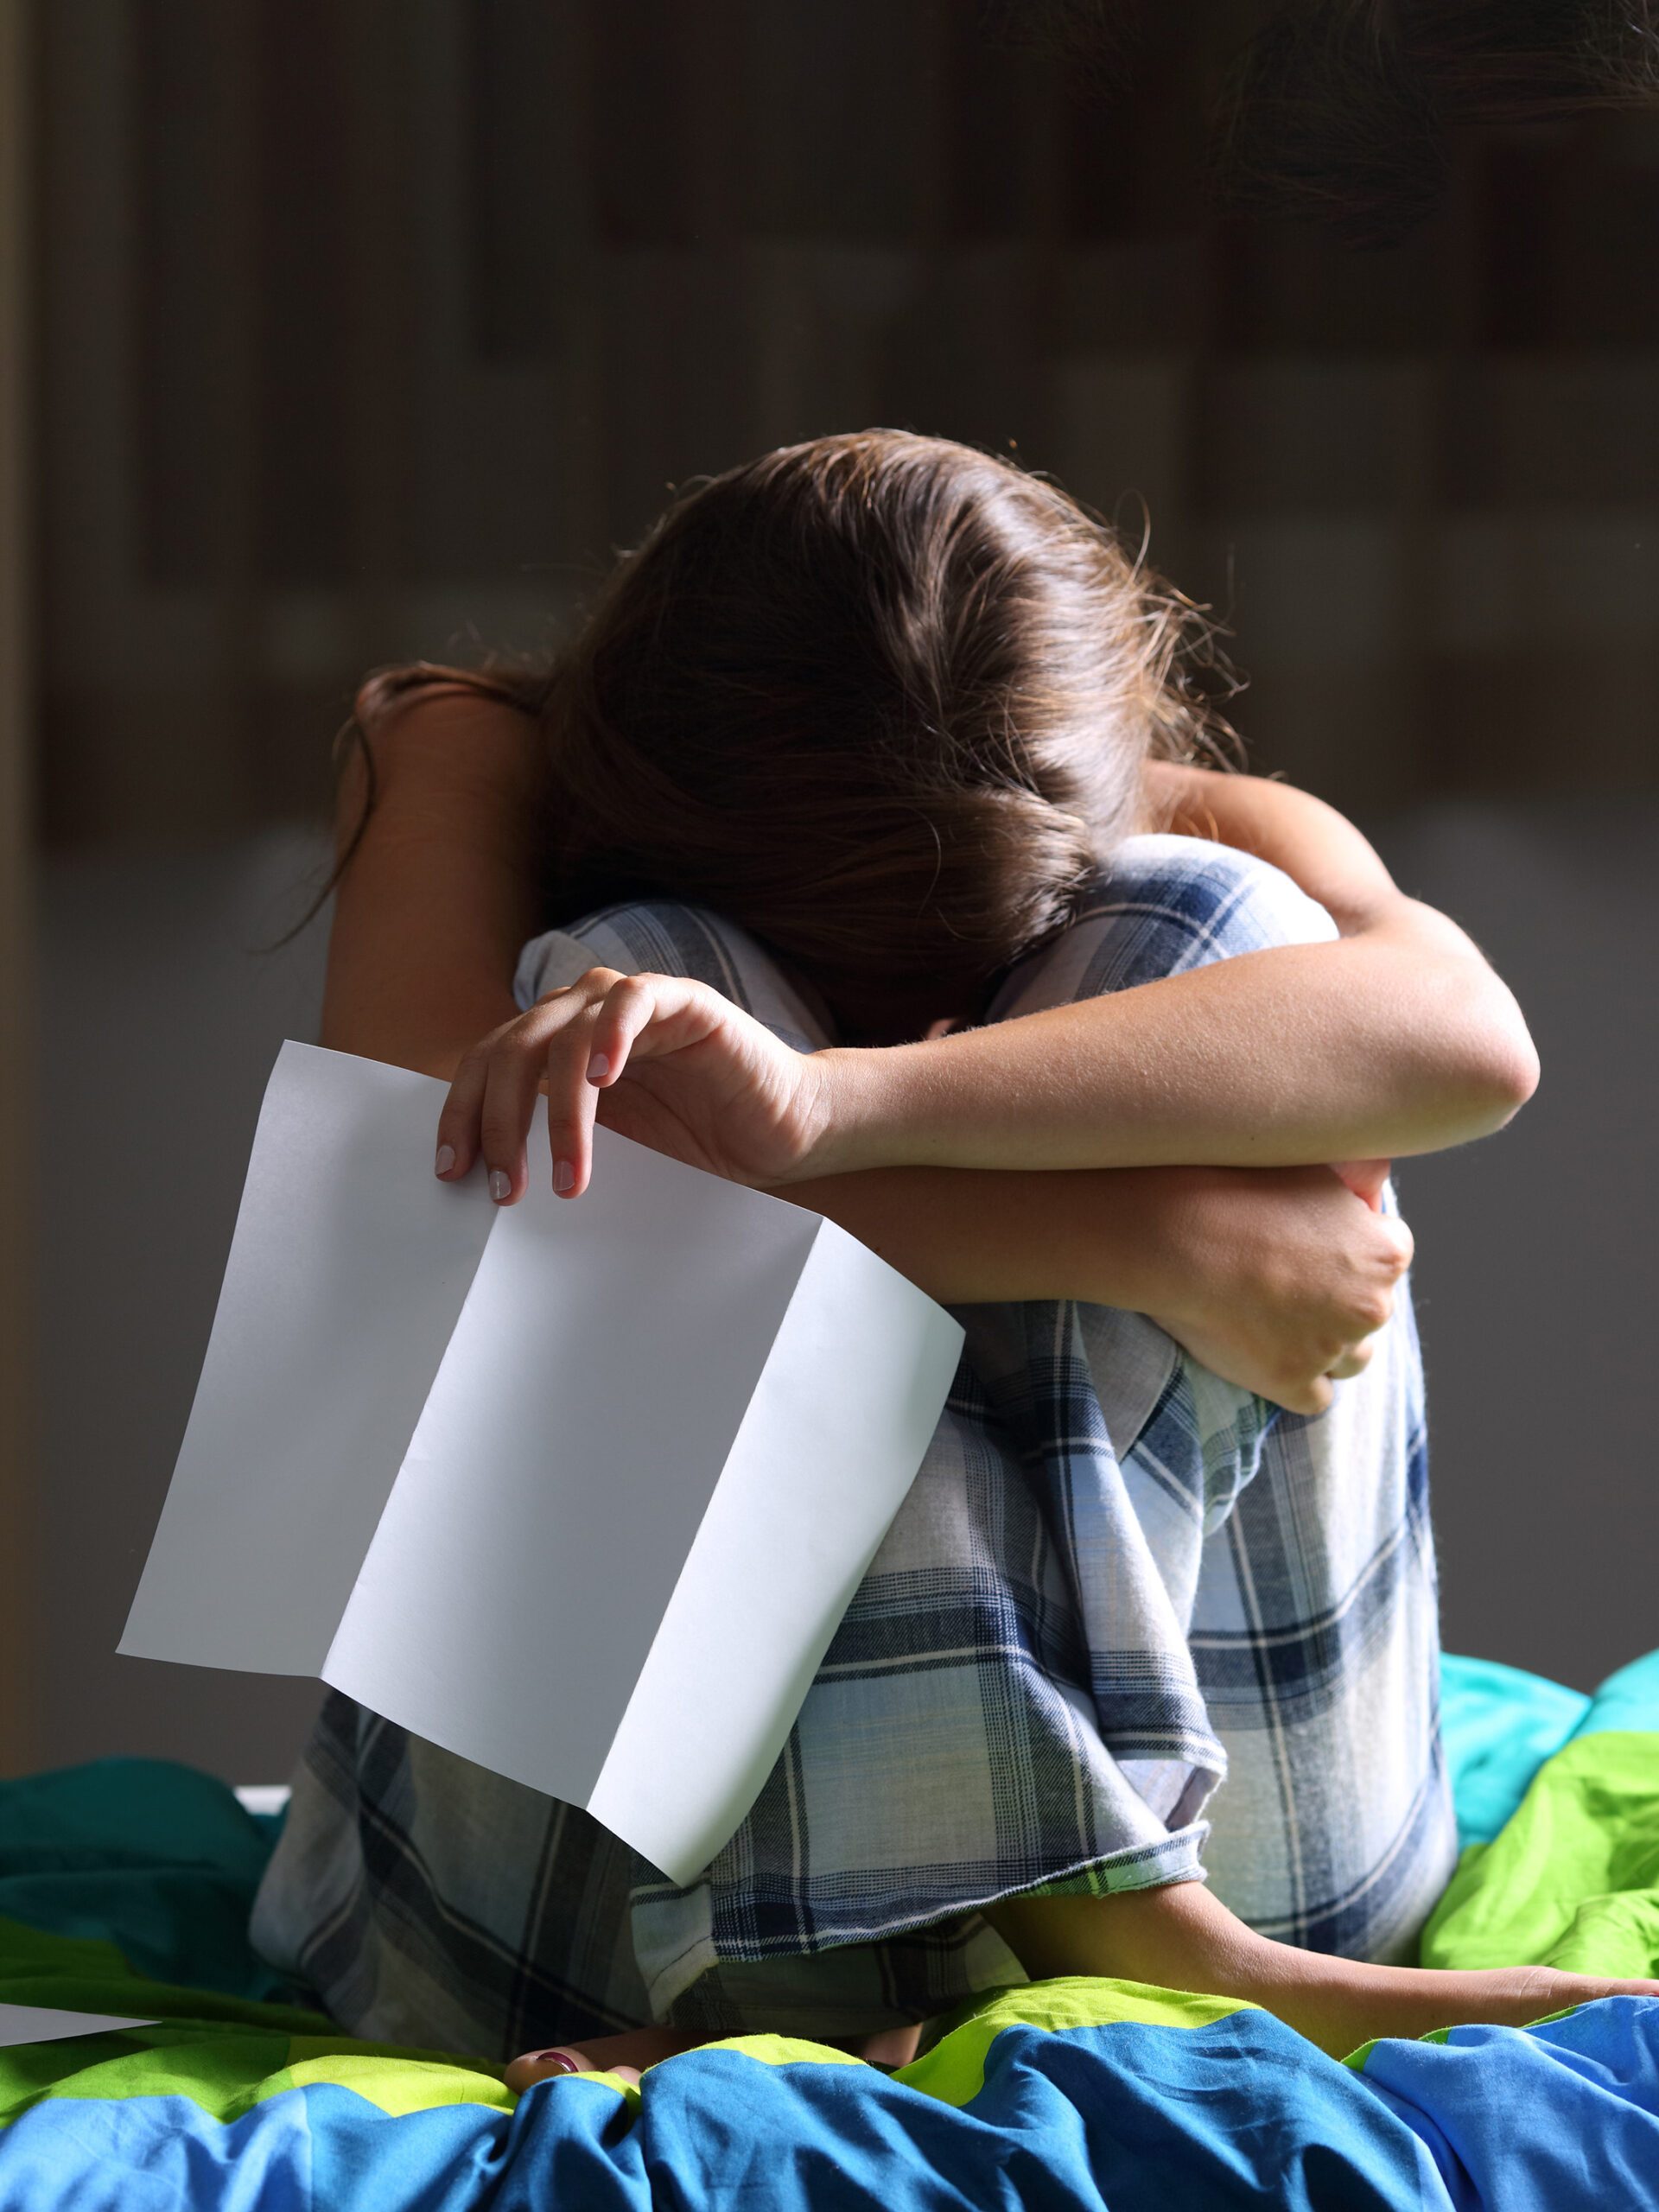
(1160, 906)
(663, 936)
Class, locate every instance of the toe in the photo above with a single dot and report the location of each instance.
(532, 2066)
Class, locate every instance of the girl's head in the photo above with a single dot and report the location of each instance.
(881, 699)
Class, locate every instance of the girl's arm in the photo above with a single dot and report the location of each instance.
(1272, 1280)
(1398, 1038)
(437, 898)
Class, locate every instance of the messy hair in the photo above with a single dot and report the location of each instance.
(882, 700)
(1341, 109)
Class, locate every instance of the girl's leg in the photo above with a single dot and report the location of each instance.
(1303, 1573)
(667, 938)
(426, 1900)
(1202, 1564)
(1183, 1938)
(1120, 1557)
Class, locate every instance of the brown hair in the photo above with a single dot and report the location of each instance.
(881, 700)
(1342, 109)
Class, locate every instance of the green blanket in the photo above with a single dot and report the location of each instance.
(1573, 1881)
(124, 1889)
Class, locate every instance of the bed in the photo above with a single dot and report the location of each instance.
(124, 1888)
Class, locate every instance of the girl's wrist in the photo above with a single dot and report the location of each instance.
(864, 1113)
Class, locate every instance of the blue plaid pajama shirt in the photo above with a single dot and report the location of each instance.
(1132, 1625)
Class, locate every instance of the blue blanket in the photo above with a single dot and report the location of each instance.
(1074, 2094)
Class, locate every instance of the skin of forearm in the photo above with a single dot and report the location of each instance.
(1375, 1046)
(1272, 1278)
(435, 903)
(970, 1236)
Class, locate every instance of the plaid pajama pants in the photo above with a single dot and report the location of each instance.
(1132, 1625)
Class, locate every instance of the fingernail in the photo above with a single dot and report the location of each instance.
(446, 1159)
(562, 2059)
(599, 1067)
(500, 1186)
(565, 1175)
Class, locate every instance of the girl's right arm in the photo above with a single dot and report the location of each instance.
(1272, 1278)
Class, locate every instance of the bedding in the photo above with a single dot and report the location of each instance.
(124, 1889)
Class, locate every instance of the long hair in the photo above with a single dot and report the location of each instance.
(882, 700)
(1341, 109)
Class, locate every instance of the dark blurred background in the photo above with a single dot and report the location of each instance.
(366, 330)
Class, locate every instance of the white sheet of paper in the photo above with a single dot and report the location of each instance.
(578, 1490)
(349, 1266)
(21, 2024)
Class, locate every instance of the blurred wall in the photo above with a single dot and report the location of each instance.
(18, 1591)
(161, 1014)
(368, 327)
(372, 326)
(1537, 1277)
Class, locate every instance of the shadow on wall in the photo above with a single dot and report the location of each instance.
(1538, 1277)
(160, 1021)
(1536, 1283)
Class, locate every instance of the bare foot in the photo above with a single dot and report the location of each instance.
(891, 2047)
(629, 2055)
(625, 2055)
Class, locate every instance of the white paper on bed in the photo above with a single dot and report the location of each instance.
(578, 1490)
(21, 2024)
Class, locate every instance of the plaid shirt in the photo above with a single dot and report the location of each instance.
(1132, 1625)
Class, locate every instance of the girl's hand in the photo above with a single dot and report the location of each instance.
(667, 1062)
(1365, 1178)
(1281, 1277)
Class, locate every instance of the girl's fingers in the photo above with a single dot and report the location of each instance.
(571, 1100)
(504, 1118)
(583, 1054)
(1400, 1237)
(591, 1052)
(1365, 1178)
(458, 1122)
(580, 1040)
(487, 1113)
(627, 1008)
(474, 1091)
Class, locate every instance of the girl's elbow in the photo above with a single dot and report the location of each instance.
(1524, 1073)
(1505, 1072)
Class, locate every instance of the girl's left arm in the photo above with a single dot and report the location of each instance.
(436, 892)
(1397, 1039)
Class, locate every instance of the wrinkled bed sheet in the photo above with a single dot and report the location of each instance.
(124, 1888)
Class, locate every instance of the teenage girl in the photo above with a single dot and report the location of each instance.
(859, 850)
